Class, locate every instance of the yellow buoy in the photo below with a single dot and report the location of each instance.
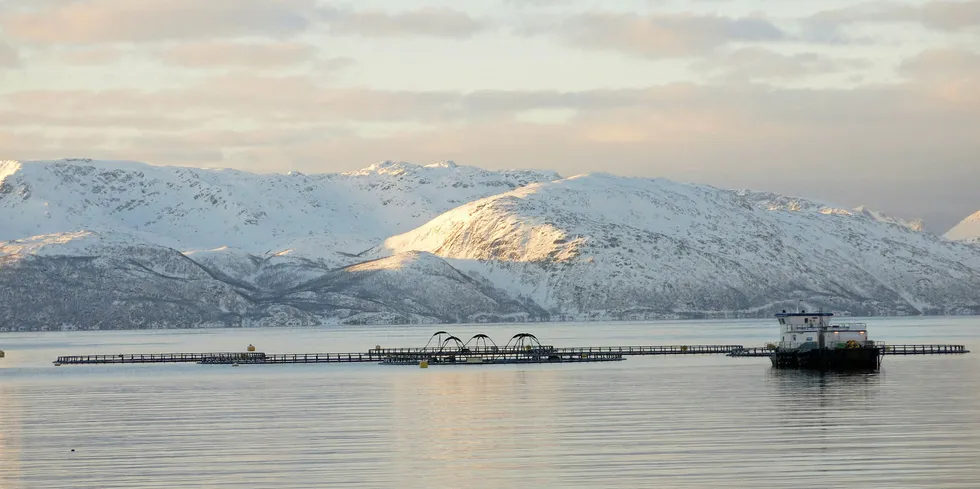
(251, 348)
(424, 364)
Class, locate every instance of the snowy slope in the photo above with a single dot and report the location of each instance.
(324, 216)
(967, 230)
(89, 281)
(600, 245)
(406, 288)
(84, 281)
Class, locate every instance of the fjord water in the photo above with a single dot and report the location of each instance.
(692, 421)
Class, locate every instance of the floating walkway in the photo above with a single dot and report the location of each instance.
(148, 358)
(752, 352)
(622, 350)
(885, 350)
(442, 349)
(446, 349)
(219, 358)
(923, 349)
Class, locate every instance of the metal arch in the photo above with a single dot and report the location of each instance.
(438, 337)
(480, 343)
(523, 341)
(460, 346)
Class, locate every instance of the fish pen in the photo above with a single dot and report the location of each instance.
(444, 348)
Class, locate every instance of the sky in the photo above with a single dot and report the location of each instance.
(853, 103)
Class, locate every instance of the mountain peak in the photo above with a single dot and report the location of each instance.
(443, 164)
(967, 230)
(7, 168)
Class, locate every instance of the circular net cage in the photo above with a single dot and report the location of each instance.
(436, 340)
(524, 342)
(481, 343)
(451, 344)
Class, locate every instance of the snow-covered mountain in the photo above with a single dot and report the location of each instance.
(967, 230)
(126, 245)
(327, 216)
(620, 247)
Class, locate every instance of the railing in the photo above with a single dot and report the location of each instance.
(454, 349)
(154, 358)
(322, 358)
(884, 349)
(624, 350)
(849, 326)
(756, 351)
(654, 350)
(508, 358)
(922, 349)
(814, 327)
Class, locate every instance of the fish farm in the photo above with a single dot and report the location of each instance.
(446, 349)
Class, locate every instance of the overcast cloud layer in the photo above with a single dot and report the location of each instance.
(875, 103)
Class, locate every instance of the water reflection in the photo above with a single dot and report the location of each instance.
(812, 389)
(693, 421)
(464, 424)
(11, 437)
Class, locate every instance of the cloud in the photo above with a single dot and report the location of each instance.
(947, 73)
(250, 97)
(539, 3)
(99, 21)
(9, 57)
(222, 54)
(943, 64)
(754, 64)
(951, 15)
(67, 56)
(940, 15)
(21, 118)
(426, 21)
(657, 36)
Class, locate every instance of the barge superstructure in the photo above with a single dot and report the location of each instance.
(810, 340)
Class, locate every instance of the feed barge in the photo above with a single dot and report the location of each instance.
(810, 340)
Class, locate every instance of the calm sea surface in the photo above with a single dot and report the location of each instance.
(694, 421)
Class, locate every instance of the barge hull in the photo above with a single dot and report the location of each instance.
(826, 359)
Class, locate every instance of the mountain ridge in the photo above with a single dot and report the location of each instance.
(397, 242)
(693, 241)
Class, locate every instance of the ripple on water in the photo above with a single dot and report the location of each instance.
(646, 422)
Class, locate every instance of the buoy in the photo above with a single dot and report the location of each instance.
(424, 364)
(251, 348)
